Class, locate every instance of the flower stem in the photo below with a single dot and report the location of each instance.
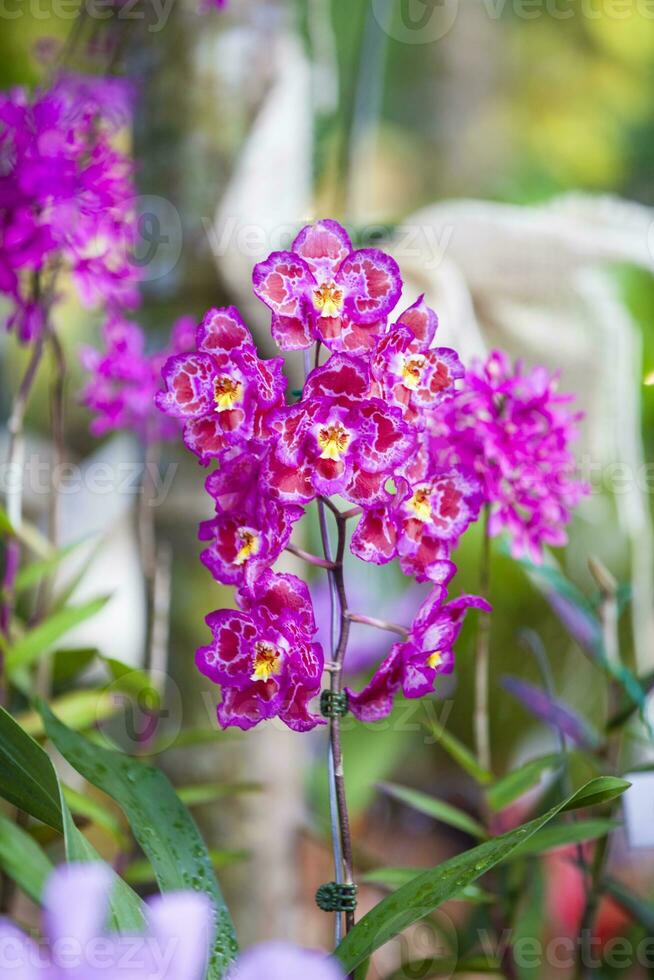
(342, 843)
(309, 558)
(481, 717)
(380, 624)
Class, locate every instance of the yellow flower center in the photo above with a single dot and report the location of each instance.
(412, 371)
(250, 543)
(267, 661)
(435, 659)
(226, 392)
(420, 504)
(328, 299)
(333, 441)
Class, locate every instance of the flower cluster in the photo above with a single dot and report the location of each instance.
(513, 428)
(377, 425)
(66, 197)
(124, 379)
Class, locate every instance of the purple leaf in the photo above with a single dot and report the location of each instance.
(552, 711)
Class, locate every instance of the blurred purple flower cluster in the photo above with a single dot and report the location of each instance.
(511, 426)
(124, 378)
(66, 198)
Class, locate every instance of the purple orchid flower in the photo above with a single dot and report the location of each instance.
(76, 946)
(222, 392)
(323, 290)
(414, 665)
(264, 657)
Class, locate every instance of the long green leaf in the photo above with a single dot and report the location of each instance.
(22, 859)
(77, 709)
(140, 872)
(5, 524)
(435, 808)
(562, 835)
(425, 893)
(393, 878)
(159, 821)
(125, 907)
(641, 908)
(462, 755)
(32, 574)
(515, 783)
(83, 805)
(210, 792)
(40, 640)
(27, 778)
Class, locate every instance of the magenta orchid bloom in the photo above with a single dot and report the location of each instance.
(264, 656)
(414, 665)
(421, 525)
(77, 946)
(323, 290)
(338, 440)
(408, 371)
(514, 430)
(250, 530)
(222, 392)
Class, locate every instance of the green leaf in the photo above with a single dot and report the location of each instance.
(83, 805)
(6, 527)
(33, 786)
(561, 835)
(68, 663)
(515, 783)
(78, 710)
(27, 778)
(32, 574)
(125, 907)
(437, 809)
(210, 792)
(22, 859)
(361, 971)
(40, 640)
(529, 918)
(603, 789)
(140, 872)
(396, 877)
(640, 908)
(425, 893)
(161, 824)
(133, 681)
(462, 755)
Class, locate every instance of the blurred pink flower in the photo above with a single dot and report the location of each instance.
(66, 196)
(511, 426)
(125, 379)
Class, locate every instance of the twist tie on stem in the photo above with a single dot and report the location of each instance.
(333, 704)
(335, 897)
